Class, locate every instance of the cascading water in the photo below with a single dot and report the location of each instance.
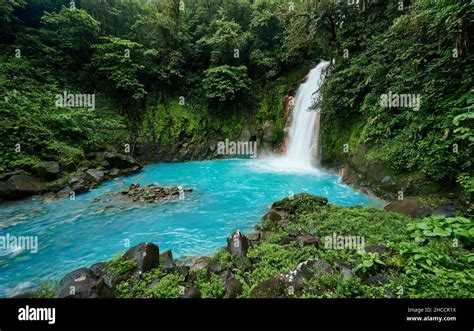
(304, 130)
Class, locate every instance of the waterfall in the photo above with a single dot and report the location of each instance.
(304, 131)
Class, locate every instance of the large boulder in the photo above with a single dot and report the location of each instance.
(20, 186)
(409, 206)
(167, 262)
(233, 288)
(78, 184)
(120, 161)
(146, 256)
(95, 175)
(82, 283)
(48, 170)
(237, 244)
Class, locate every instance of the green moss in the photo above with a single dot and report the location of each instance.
(119, 266)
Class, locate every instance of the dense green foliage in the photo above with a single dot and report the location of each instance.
(170, 72)
(423, 49)
(163, 72)
(439, 266)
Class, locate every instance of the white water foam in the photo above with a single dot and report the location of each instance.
(301, 154)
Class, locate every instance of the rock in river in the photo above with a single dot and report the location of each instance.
(154, 193)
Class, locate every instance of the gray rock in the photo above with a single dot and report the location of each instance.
(78, 184)
(346, 273)
(306, 270)
(233, 288)
(47, 170)
(120, 161)
(237, 244)
(191, 293)
(376, 280)
(95, 175)
(273, 287)
(81, 283)
(167, 262)
(409, 206)
(226, 275)
(182, 270)
(215, 267)
(21, 186)
(447, 210)
(201, 263)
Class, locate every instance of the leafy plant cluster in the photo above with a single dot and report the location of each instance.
(217, 59)
(392, 264)
(421, 50)
(456, 228)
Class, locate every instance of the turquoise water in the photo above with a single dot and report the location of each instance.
(228, 195)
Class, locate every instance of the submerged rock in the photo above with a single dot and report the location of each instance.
(153, 193)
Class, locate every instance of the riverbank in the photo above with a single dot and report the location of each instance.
(303, 247)
(50, 181)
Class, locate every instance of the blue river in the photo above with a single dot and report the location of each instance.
(227, 195)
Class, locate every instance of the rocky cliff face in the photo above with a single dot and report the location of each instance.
(373, 175)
